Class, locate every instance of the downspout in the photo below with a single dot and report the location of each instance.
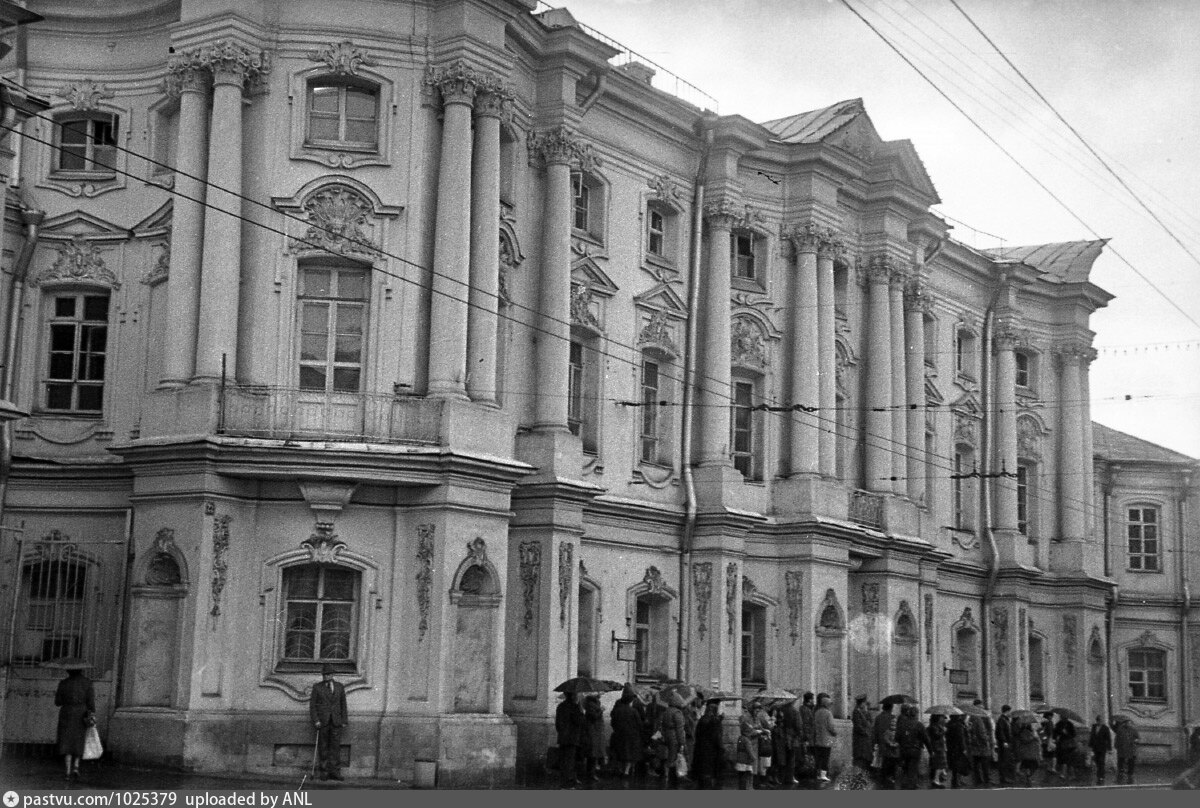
(12, 337)
(1110, 603)
(682, 668)
(594, 95)
(985, 493)
(1185, 608)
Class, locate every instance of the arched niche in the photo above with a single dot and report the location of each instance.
(159, 584)
(475, 597)
(831, 651)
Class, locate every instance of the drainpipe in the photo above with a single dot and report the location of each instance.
(1110, 603)
(985, 494)
(12, 338)
(1185, 609)
(594, 95)
(682, 668)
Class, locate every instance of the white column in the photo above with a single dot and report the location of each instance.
(914, 334)
(452, 245)
(1005, 396)
(1071, 468)
(485, 250)
(899, 445)
(806, 336)
(187, 223)
(714, 378)
(877, 442)
(557, 149)
(220, 281)
(827, 250)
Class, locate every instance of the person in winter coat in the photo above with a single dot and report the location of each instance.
(1006, 759)
(656, 751)
(1126, 744)
(884, 736)
(808, 717)
(593, 746)
(76, 701)
(980, 746)
(912, 739)
(626, 741)
(792, 733)
(570, 724)
(1046, 729)
(747, 753)
(1194, 746)
(1100, 742)
(823, 735)
(674, 730)
(1028, 745)
(780, 752)
(1064, 749)
(957, 756)
(937, 751)
(708, 759)
(862, 745)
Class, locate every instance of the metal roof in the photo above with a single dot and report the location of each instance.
(816, 125)
(1065, 262)
(1110, 444)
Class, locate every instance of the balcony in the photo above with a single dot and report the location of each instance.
(866, 509)
(292, 414)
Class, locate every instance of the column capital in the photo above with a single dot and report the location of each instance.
(459, 83)
(1009, 333)
(831, 245)
(729, 213)
(917, 296)
(492, 102)
(560, 146)
(805, 237)
(1072, 351)
(880, 268)
(184, 77)
(229, 62)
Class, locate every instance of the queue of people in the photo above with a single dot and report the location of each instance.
(781, 743)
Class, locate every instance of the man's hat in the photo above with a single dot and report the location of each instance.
(860, 697)
(328, 670)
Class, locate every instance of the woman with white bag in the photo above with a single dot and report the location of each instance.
(76, 702)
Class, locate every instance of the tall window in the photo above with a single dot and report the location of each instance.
(87, 142)
(964, 487)
(343, 115)
(54, 610)
(652, 631)
(575, 409)
(742, 246)
(581, 195)
(650, 411)
(656, 237)
(1037, 669)
(1025, 477)
(78, 342)
(1023, 368)
(1147, 674)
(930, 347)
(964, 353)
(320, 603)
(582, 394)
(754, 644)
(744, 439)
(587, 195)
(1141, 528)
(586, 639)
(332, 318)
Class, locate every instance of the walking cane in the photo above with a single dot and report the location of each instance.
(313, 770)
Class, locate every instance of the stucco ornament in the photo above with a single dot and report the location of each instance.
(702, 587)
(566, 570)
(657, 334)
(1000, 632)
(530, 555)
(323, 545)
(336, 217)
(731, 593)
(831, 613)
(560, 145)
(928, 624)
(232, 62)
(583, 301)
(870, 598)
(342, 58)
(747, 345)
(664, 189)
(1070, 639)
(84, 95)
(220, 544)
(793, 579)
(425, 535)
(78, 261)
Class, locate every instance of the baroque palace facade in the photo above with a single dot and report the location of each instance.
(436, 342)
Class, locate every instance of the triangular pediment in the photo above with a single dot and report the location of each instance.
(857, 136)
(898, 161)
(586, 271)
(662, 298)
(968, 404)
(932, 394)
(156, 223)
(78, 223)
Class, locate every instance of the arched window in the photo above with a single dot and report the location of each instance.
(343, 113)
(1027, 487)
(87, 143)
(320, 614)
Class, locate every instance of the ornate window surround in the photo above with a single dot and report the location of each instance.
(654, 585)
(662, 194)
(85, 184)
(1141, 501)
(332, 156)
(1148, 640)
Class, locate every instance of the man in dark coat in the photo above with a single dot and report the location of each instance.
(1127, 738)
(627, 745)
(808, 728)
(792, 732)
(327, 711)
(1100, 742)
(862, 744)
(957, 756)
(76, 701)
(1004, 746)
(571, 726)
(911, 738)
(708, 760)
(980, 741)
(884, 736)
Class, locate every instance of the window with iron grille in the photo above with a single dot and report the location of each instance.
(1147, 674)
(343, 115)
(78, 335)
(87, 143)
(333, 311)
(321, 604)
(54, 592)
(1141, 529)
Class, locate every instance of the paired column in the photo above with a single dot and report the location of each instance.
(878, 440)
(557, 149)
(190, 81)
(1005, 396)
(1072, 464)
(917, 300)
(827, 249)
(898, 447)
(806, 337)
(452, 244)
(231, 65)
(714, 378)
(485, 249)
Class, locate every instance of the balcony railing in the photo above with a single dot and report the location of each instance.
(288, 413)
(867, 509)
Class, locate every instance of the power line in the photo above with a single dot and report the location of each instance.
(1010, 156)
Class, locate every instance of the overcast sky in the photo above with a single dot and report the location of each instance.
(1124, 73)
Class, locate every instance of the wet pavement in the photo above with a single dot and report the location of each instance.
(41, 774)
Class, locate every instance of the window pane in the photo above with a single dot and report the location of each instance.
(91, 397)
(323, 128)
(315, 283)
(104, 133)
(104, 158)
(64, 306)
(72, 159)
(348, 348)
(349, 319)
(58, 396)
(312, 378)
(315, 318)
(73, 133)
(92, 369)
(345, 380)
(339, 584)
(360, 103)
(352, 285)
(95, 307)
(95, 338)
(313, 347)
(1150, 515)
(301, 582)
(360, 132)
(62, 338)
(324, 99)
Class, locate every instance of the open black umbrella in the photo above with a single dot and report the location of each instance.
(898, 698)
(1067, 713)
(586, 684)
